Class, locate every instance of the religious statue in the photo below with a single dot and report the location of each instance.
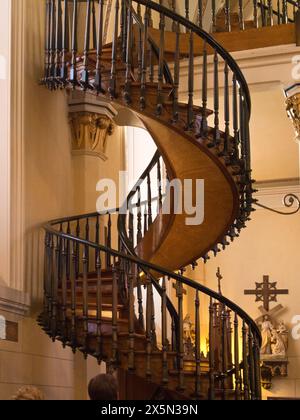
(188, 338)
(274, 333)
(266, 332)
(274, 340)
(277, 344)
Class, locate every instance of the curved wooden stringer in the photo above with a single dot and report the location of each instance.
(94, 297)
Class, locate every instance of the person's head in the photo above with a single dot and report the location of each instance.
(29, 393)
(103, 388)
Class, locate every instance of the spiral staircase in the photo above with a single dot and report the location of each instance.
(115, 283)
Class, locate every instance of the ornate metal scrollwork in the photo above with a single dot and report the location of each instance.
(289, 201)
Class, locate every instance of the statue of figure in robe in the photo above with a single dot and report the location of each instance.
(266, 332)
(277, 344)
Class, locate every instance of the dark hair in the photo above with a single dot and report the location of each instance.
(103, 388)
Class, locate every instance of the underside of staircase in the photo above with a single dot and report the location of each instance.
(105, 273)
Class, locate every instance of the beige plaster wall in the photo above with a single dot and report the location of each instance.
(56, 184)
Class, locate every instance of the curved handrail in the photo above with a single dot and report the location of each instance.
(210, 41)
(164, 273)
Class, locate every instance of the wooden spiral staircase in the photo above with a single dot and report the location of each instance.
(109, 278)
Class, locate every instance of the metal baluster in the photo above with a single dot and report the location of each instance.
(176, 75)
(151, 65)
(227, 16)
(47, 40)
(217, 136)
(144, 60)
(162, 25)
(284, 12)
(270, 13)
(180, 355)
(211, 391)
(114, 358)
(251, 365)
(214, 15)
(47, 282)
(55, 289)
(148, 328)
(258, 388)
(68, 251)
(245, 362)
(73, 71)
(98, 77)
(200, 14)
(159, 186)
(85, 73)
(131, 228)
(255, 13)
(241, 15)
(87, 238)
(263, 12)
(97, 237)
(113, 76)
(204, 125)
(52, 39)
(237, 359)
(74, 280)
(98, 354)
(108, 241)
(187, 9)
(197, 346)
(128, 55)
(165, 370)
(190, 116)
(131, 276)
(235, 118)
(139, 216)
(65, 44)
(85, 298)
(77, 248)
(173, 8)
(223, 350)
(278, 13)
(94, 25)
(149, 200)
(153, 325)
(58, 39)
(140, 54)
(226, 110)
(145, 220)
(123, 28)
(64, 294)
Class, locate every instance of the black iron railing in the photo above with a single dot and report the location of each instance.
(81, 251)
(75, 272)
(227, 16)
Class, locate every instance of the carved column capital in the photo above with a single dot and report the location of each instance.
(90, 132)
(293, 110)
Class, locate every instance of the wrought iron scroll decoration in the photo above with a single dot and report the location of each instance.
(288, 201)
